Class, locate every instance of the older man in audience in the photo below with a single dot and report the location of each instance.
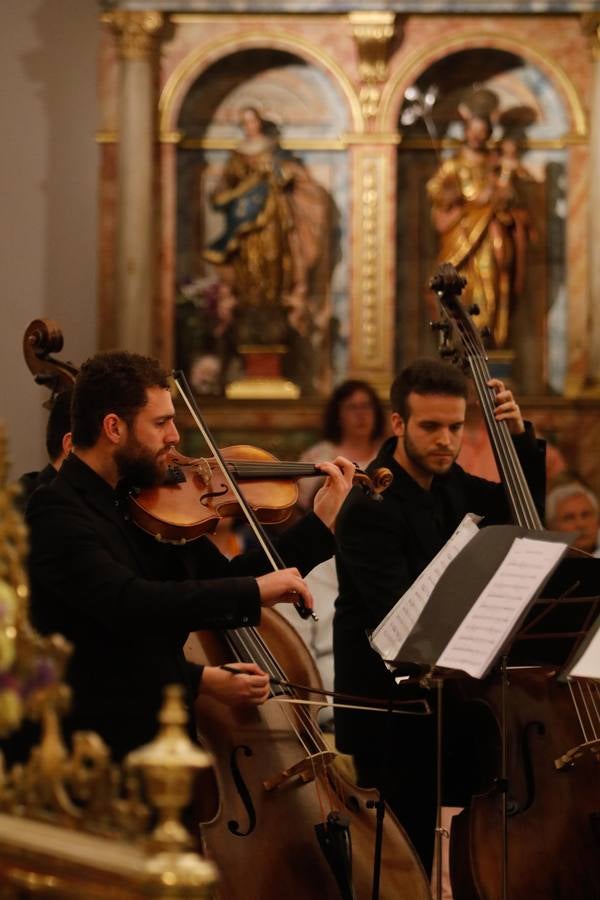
(573, 507)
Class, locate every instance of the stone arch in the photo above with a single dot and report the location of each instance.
(418, 63)
(196, 63)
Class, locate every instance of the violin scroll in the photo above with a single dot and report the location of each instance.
(380, 481)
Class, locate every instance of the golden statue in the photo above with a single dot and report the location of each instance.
(274, 224)
(479, 214)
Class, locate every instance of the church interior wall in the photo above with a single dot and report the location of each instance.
(56, 238)
(48, 159)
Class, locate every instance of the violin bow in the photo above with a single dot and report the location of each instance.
(263, 539)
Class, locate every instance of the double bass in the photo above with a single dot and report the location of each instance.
(532, 830)
(279, 820)
(287, 822)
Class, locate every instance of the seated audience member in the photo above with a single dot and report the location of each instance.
(353, 426)
(573, 507)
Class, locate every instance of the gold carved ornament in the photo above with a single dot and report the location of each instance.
(136, 31)
(590, 25)
(373, 32)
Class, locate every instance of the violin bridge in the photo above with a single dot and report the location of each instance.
(305, 771)
(202, 470)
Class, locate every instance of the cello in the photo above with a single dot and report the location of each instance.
(531, 831)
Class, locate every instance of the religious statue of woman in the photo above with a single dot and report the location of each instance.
(479, 214)
(275, 217)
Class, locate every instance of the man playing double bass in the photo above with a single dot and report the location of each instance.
(384, 546)
(126, 601)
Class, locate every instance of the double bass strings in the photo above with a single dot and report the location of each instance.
(585, 694)
(248, 646)
(515, 484)
(586, 699)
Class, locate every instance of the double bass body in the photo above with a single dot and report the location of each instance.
(553, 815)
(262, 836)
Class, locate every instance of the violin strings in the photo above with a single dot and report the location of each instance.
(248, 469)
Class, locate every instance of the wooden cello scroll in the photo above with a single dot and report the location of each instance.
(43, 337)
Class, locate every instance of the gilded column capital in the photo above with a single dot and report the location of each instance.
(136, 31)
(373, 32)
(590, 25)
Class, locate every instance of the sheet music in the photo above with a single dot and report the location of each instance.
(588, 664)
(485, 628)
(391, 633)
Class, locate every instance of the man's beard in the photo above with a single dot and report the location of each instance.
(139, 466)
(422, 462)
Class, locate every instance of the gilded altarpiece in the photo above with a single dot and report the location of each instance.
(332, 86)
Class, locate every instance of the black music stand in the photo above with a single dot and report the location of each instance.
(545, 632)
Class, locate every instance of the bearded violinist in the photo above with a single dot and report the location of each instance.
(383, 547)
(126, 601)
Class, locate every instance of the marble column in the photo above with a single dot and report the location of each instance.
(591, 25)
(136, 258)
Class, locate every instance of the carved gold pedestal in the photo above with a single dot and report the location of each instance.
(262, 379)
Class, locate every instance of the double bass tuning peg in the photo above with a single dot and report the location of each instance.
(473, 309)
(441, 326)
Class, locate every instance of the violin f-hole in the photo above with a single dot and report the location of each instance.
(206, 498)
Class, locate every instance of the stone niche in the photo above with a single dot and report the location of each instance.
(332, 81)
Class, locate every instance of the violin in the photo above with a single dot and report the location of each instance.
(530, 798)
(195, 495)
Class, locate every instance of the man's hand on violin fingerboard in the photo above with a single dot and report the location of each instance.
(329, 499)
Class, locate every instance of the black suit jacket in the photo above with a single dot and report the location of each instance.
(127, 602)
(382, 548)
